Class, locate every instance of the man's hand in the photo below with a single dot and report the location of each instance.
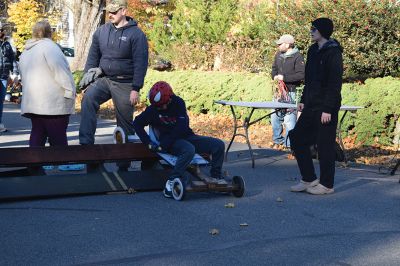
(325, 118)
(300, 107)
(134, 97)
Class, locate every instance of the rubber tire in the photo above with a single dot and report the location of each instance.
(239, 181)
(178, 189)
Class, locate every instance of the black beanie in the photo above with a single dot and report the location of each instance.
(324, 26)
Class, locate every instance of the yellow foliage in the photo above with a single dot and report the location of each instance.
(24, 14)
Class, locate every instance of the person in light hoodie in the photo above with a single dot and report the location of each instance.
(48, 88)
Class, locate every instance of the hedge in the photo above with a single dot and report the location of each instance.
(375, 123)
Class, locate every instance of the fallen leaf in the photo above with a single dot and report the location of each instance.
(214, 231)
(230, 205)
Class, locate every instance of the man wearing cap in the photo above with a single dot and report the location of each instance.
(288, 67)
(319, 104)
(7, 64)
(115, 69)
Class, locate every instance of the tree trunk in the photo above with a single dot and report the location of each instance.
(87, 18)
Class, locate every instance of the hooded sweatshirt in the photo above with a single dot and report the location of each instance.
(291, 66)
(172, 123)
(48, 85)
(122, 53)
(323, 77)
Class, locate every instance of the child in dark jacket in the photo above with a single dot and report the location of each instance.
(168, 117)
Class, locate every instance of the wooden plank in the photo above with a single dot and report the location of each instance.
(28, 156)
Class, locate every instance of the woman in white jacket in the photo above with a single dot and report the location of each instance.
(48, 88)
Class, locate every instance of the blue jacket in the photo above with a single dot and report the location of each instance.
(172, 123)
(122, 53)
(7, 60)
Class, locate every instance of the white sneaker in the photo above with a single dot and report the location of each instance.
(168, 188)
(303, 185)
(320, 190)
(2, 128)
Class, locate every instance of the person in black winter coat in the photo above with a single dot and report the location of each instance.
(115, 69)
(320, 104)
(7, 65)
(288, 67)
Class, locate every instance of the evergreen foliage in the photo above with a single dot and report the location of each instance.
(373, 124)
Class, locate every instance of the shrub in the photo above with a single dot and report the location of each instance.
(376, 122)
(373, 124)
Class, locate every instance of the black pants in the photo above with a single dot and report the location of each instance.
(308, 131)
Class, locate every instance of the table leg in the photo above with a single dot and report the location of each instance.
(246, 125)
(234, 132)
(339, 133)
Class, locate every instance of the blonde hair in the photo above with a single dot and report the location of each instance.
(41, 29)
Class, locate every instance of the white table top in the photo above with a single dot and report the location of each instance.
(277, 105)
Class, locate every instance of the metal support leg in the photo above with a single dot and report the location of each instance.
(246, 125)
(339, 133)
(234, 132)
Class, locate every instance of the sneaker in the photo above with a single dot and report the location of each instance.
(303, 185)
(2, 128)
(168, 189)
(320, 190)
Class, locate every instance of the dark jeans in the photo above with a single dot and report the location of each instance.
(97, 93)
(185, 149)
(308, 131)
(53, 127)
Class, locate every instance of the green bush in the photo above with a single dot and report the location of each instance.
(77, 78)
(373, 124)
(376, 122)
(201, 89)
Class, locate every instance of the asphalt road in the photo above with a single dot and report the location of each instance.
(357, 225)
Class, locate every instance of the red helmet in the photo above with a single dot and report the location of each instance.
(160, 93)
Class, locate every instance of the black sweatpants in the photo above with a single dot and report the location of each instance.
(308, 131)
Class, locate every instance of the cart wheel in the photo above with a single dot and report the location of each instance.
(178, 189)
(239, 182)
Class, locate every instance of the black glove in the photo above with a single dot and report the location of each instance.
(90, 76)
(155, 147)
